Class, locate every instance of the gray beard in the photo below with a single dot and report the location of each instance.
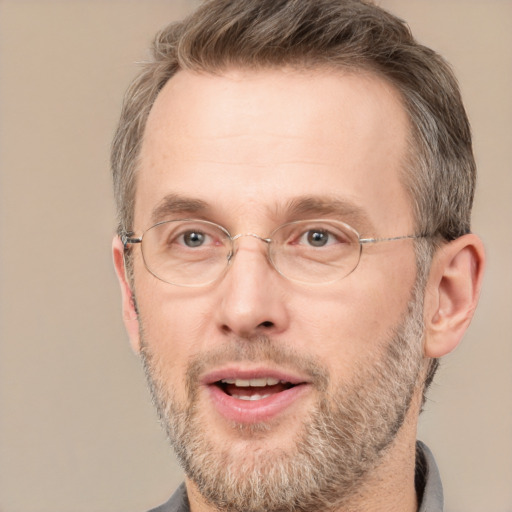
(337, 446)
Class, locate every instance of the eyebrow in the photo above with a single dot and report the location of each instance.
(330, 206)
(299, 207)
(173, 204)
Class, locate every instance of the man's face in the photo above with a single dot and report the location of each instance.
(251, 151)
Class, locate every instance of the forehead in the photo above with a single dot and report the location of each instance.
(246, 143)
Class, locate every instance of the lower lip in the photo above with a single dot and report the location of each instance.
(254, 411)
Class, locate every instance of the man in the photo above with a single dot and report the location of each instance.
(294, 182)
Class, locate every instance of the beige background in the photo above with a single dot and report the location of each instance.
(77, 431)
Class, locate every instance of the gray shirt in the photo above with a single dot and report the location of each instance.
(428, 486)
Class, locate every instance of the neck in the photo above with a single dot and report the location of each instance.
(391, 486)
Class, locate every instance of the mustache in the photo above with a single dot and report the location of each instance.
(260, 349)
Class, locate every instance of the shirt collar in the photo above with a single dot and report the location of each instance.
(428, 481)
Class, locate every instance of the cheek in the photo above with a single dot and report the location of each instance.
(173, 324)
(352, 323)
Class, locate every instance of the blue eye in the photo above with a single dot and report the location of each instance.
(317, 237)
(320, 237)
(193, 238)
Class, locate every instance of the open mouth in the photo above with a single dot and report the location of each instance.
(253, 389)
(254, 395)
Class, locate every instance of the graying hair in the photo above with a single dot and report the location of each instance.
(352, 34)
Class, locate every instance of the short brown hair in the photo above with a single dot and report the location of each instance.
(353, 34)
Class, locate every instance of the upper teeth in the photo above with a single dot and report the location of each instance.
(255, 383)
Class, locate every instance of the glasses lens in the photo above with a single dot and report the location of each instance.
(187, 252)
(314, 251)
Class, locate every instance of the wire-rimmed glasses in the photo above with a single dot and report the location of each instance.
(194, 252)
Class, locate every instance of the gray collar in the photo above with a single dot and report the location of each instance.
(428, 486)
(428, 480)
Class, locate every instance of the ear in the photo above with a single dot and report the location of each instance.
(452, 293)
(130, 316)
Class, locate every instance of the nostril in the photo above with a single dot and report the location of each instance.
(225, 329)
(267, 324)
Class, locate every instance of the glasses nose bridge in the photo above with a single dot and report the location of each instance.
(234, 238)
(254, 235)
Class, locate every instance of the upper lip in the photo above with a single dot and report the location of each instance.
(232, 372)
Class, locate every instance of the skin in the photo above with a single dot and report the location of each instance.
(248, 143)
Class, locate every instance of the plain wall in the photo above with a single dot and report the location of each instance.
(77, 430)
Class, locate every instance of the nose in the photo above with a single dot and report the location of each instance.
(252, 294)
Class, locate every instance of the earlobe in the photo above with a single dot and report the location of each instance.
(130, 315)
(452, 293)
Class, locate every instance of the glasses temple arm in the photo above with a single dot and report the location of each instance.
(126, 238)
(405, 237)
